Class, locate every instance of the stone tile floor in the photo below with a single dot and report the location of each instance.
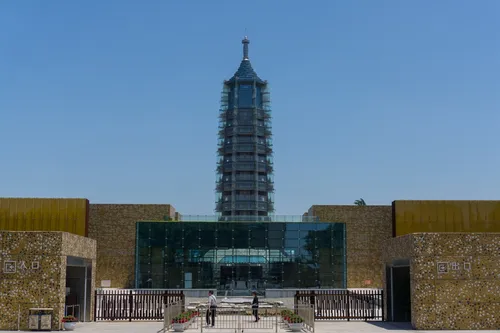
(321, 327)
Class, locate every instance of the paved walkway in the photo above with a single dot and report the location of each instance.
(321, 327)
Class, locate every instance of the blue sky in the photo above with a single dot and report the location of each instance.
(117, 101)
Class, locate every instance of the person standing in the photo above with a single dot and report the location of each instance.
(255, 306)
(212, 306)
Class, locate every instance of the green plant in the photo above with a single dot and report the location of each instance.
(295, 319)
(184, 317)
(290, 317)
(69, 319)
(360, 202)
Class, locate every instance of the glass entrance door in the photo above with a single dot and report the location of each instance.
(240, 279)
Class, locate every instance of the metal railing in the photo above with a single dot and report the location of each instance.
(73, 310)
(306, 312)
(239, 317)
(344, 304)
(270, 218)
(134, 304)
(171, 311)
(242, 317)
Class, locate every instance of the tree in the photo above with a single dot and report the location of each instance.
(360, 202)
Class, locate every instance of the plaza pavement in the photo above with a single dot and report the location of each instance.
(321, 327)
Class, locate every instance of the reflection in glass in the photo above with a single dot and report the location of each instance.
(240, 257)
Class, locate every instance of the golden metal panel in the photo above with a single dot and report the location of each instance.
(446, 216)
(26, 214)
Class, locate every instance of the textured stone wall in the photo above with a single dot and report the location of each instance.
(114, 226)
(455, 279)
(33, 273)
(368, 228)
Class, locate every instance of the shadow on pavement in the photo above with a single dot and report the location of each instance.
(391, 326)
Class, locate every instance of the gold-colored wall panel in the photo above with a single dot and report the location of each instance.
(412, 216)
(39, 214)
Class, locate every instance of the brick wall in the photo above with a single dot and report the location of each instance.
(113, 226)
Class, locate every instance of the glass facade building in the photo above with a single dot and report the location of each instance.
(239, 257)
(244, 182)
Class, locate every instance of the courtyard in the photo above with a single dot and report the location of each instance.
(320, 327)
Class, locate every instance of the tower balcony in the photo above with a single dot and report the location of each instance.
(244, 148)
(259, 113)
(219, 206)
(219, 186)
(245, 166)
(262, 131)
(244, 186)
(245, 205)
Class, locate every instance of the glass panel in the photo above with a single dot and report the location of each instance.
(258, 236)
(245, 96)
(237, 257)
(191, 236)
(258, 98)
(207, 236)
(240, 235)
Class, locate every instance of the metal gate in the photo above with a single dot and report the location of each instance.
(239, 318)
(133, 304)
(343, 304)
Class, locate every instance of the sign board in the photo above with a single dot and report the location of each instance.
(12, 266)
(446, 267)
(105, 283)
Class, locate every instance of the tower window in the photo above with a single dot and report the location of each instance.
(245, 96)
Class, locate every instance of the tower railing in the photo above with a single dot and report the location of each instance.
(270, 218)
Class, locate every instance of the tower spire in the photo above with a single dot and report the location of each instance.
(245, 43)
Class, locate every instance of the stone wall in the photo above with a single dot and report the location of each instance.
(114, 228)
(368, 228)
(33, 273)
(455, 279)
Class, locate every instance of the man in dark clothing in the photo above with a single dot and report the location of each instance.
(255, 306)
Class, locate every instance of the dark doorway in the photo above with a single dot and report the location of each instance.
(400, 297)
(78, 288)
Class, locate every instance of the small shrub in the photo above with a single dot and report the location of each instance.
(184, 317)
(69, 319)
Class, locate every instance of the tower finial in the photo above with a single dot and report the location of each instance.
(245, 43)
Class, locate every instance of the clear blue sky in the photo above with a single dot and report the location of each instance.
(117, 101)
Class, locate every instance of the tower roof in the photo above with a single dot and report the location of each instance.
(245, 72)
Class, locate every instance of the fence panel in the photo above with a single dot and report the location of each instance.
(342, 304)
(129, 304)
(266, 314)
(306, 312)
(177, 319)
(238, 317)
